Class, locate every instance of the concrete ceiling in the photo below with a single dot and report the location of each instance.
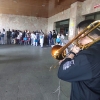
(38, 8)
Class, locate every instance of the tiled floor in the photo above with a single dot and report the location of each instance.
(25, 74)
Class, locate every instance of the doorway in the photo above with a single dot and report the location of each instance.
(62, 27)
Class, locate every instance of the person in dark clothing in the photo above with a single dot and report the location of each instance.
(82, 67)
(9, 34)
(50, 38)
(54, 36)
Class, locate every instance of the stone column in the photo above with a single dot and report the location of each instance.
(75, 18)
(1, 22)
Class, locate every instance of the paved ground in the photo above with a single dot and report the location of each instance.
(25, 74)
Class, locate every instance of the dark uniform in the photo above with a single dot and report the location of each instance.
(84, 73)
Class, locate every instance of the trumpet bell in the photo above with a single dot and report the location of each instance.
(56, 54)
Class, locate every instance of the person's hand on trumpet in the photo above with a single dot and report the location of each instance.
(74, 50)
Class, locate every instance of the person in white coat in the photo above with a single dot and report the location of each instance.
(3, 36)
(32, 38)
(41, 39)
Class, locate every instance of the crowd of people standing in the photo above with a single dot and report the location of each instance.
(34, 38)
(56, 38)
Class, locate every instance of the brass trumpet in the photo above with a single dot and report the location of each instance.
(59, 52)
